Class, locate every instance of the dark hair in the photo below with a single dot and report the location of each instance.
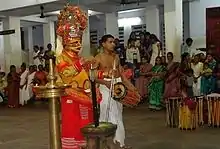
(158, 57)
(189, 40)
(189, 71)
(12, 67)
(147, 33)
(208, 53)
(170, 53)
(106, 37)
(31, 67)
(36, 47)
(141, 33)
(40, 66)
(131, 34)
(23, 65)
(183, 56)
(153, 36)
(205, 63)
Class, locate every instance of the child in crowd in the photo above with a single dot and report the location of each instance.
(189, 82)
(207, 82)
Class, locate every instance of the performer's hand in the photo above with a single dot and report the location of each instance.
(84, 61)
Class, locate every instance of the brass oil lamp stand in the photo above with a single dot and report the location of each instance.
(52, 92)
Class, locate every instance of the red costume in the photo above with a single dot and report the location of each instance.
(77, 105)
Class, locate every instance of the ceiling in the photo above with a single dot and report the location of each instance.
(96, 5)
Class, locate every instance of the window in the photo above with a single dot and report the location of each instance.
(138, 28)
(121, 35)
(94, 37)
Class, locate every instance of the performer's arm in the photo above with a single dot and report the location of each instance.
(67, 69)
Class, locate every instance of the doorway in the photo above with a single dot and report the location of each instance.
(213, 31)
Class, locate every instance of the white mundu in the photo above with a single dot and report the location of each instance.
(111, 111)
(23, 95)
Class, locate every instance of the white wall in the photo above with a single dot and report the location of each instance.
(38, 38)
(198, 20)
(97, 22)
(130, 14)
(2, 52)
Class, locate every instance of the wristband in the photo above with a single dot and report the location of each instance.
(100, 75)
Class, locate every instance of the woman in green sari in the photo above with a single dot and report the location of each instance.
(156, 87)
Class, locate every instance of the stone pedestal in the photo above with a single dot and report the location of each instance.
(100, 137)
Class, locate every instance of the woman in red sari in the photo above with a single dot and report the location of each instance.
(172, 82)
(13, 80)
(40, 77)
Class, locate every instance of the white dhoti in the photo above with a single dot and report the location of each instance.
(197, 87)
(111, 111)
(23, 94)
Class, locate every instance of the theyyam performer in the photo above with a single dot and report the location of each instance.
(76, 107)
(111, 72)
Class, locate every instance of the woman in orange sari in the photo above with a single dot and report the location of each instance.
(40, 77)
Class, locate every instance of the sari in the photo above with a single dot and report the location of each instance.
(156, 88)
(172, 82)
(208, 81)
(143, 80)
(40, 78)
(13, 80)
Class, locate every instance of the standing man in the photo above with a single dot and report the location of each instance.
(110, 110)
(36, 56)
(49, 54)
(187, 47)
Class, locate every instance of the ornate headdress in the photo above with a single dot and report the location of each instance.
(72, 21)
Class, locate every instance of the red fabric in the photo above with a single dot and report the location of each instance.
(41, 76)
(13, 80)
(100, 74)
(61, 66)
(74, 117)
(190, 103)
(78, 66)
(128, 73)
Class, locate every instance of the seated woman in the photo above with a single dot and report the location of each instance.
(156, 86)
(40, 77)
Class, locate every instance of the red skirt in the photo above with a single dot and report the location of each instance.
(74, 117)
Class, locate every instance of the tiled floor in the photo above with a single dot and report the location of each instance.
(27, 128)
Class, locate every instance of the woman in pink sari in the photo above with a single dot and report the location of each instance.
(143, 80)
(172, 82)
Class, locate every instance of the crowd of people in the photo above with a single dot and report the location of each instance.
(158, 77)
(16, 88)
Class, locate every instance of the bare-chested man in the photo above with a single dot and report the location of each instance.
(110, 110)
